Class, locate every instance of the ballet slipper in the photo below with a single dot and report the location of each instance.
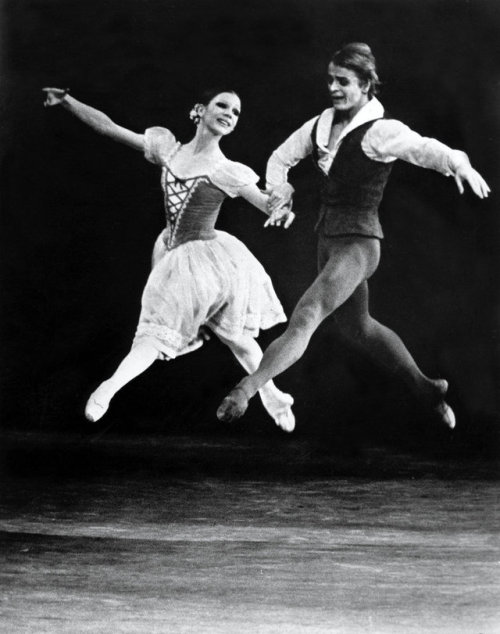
(234, 405)
(95, 410)
(441, 386)
(443, 411)
(98, 402)
(279, 407)
(285, 419)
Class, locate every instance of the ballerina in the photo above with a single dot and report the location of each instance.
(201, 278)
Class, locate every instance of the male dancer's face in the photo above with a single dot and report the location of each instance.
(347, 92)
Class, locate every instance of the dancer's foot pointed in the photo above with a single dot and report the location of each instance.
(446, 414)
(98, 402)
(285, 419)
(442, 409)
(278, 405)
(234, 405)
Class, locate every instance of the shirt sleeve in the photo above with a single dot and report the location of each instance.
(232, 177)
(158, 143)
(388, 140)
(294, 149)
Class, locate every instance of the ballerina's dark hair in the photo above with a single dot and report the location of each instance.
(205, 98)
(207, 95)
(358, 57)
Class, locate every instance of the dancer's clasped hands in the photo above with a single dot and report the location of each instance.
(279, 206)
(281, 217)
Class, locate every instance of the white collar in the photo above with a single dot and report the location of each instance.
(369, 112)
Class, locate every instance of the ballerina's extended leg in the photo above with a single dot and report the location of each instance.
(136, 362)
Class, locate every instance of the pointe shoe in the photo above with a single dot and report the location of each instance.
(282, 410)
(98, 403)
(94, 410)
(285, 419)
(233, 406)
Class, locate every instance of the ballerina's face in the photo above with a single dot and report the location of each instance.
(347, 91)
(222, 113)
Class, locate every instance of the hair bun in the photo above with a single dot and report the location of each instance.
(358, 47)
(358, 57)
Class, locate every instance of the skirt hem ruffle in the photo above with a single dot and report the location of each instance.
(216, 284)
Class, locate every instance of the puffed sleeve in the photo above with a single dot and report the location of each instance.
(389, 139)
(289, 153)
(159, 142)
(232, 177)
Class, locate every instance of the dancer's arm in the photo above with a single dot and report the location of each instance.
(96, 119)
(282, 217)
(287, 155)
(389, 139)
(464, 172)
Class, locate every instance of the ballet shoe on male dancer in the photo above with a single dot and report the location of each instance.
(442, 410)
(236, 403)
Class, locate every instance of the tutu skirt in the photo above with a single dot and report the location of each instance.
(214, 283)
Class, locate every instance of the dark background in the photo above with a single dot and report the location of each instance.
(80, 213)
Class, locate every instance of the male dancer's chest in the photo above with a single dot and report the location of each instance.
(335, 133)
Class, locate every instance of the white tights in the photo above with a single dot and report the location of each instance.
(246, 350)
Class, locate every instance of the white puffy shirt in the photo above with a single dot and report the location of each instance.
(385, 141)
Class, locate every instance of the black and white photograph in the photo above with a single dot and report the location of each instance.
(250, 316)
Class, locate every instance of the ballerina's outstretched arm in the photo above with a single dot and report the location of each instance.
(96, 119)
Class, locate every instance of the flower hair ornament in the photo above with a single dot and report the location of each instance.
(194, 115)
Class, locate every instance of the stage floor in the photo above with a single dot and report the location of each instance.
(181, 535)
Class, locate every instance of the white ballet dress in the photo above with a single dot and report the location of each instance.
(201, 277)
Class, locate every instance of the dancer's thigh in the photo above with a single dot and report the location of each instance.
(346, 263)
(346, 250)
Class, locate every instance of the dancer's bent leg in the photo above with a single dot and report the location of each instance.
(352, 262)
(385, 348)
(139, 359)
(378, 342)
(277, 404)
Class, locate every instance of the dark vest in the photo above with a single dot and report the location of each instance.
(352, 190)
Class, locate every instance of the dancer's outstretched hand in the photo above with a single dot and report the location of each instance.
(54, 96)
(465, 172)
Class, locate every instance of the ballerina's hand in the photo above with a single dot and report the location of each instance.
(282, 217)
(54, 96)
(465, 172)
(280, 196)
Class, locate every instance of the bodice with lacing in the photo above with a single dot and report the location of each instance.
(191, 207)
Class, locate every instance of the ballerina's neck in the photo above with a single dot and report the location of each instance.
(200, 152)
(195, 159)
